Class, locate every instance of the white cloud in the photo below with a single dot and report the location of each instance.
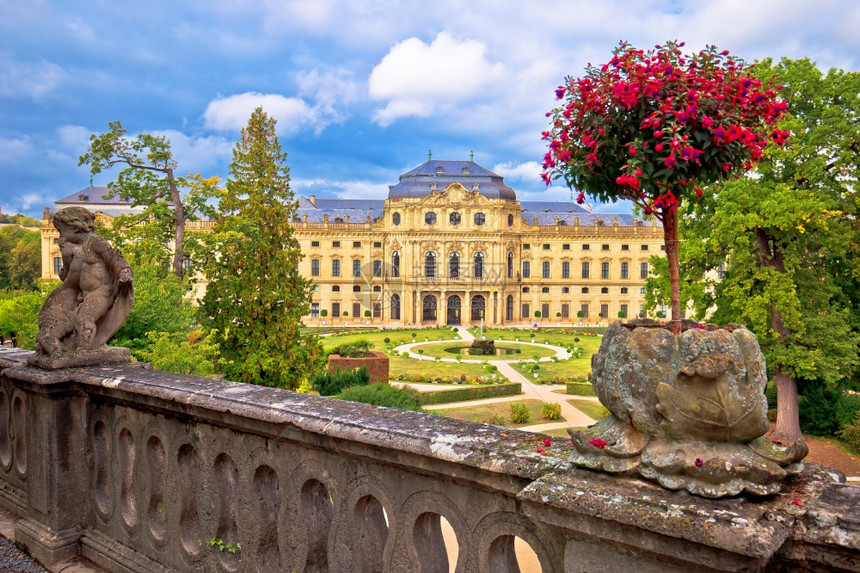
(14, 151)
(232, 113)
(528, 171)
(34, 79)
(74, 138)
(198, 154)
(358, 189)
(418, 79)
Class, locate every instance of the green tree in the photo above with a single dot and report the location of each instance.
(19, 314)
(149, 180)
(787, 234)
(20, 257)
(255, 296)
(184, 354)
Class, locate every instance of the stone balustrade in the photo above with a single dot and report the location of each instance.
(140, 470)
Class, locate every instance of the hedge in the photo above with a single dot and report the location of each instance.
(580, 388)
(475, 393)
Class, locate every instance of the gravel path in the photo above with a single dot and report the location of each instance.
(13, 559)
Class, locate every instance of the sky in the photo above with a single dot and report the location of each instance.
(362, 90)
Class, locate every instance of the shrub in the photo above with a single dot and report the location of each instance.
(851, 433)
(520, 413)
(551, 410)
(386, 340)
(355, 349)
(498, 420)
(580, 388)
(847, 408)
(464, 394)
(384, 395)
(332, 383)
(817, 406)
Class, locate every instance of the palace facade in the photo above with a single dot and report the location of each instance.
(452, 244)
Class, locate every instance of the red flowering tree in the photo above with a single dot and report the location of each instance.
(655, 127)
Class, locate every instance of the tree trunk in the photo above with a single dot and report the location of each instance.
(787, 410)
(179, 219)
(670, 238)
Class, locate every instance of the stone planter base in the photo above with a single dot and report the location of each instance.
(688, 412)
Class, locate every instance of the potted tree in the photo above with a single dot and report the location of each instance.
(558, 316)
(367, 317)
(656, 127)
(323, 314)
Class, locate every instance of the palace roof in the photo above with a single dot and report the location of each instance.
(438, 174)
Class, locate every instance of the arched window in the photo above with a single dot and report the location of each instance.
(454, 265)
(510, 220)
(428, 311)
(430, 264)
(479, 303)
(395, 264)
(509, 308)
(395, 307)
(478, 272)
(510, 265)
(395, 218)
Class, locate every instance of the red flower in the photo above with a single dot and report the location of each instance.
(699, 462)
(597, 443)
(797, 502)
(540, 450)
(547, 442)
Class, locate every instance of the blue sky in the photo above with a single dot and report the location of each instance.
(361, 90)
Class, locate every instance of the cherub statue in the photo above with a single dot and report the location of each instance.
(94, 300)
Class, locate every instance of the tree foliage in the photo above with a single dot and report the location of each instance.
(655, 127)
(149, 180)
(255, 296)
(20, 258)
(19, 314)
(789, 238)
(191, 353)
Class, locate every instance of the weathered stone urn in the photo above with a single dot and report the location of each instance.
(688, 411)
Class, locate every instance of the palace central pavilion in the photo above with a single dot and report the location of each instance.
(450, 245)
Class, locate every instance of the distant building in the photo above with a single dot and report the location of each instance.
(452, 245)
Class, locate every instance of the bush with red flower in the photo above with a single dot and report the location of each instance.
(657, 126)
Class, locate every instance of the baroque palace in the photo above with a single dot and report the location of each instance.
(450, 245)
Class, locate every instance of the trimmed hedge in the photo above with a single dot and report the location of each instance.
(477, 393)
(580, 388)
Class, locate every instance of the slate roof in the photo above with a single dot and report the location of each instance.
(93, 198)
(438, 174)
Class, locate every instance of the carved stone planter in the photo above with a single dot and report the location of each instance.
(377, 365)
(687, 411)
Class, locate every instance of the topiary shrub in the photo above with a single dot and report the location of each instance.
(520, 413)
(405, 398)
(355, 349)
(333, 383)
(551, 410)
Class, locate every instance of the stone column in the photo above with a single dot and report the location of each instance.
(55, 464)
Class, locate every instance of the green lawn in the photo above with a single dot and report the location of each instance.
(412, 367)
(377, 337)
(573, 368)
(590, 408)
(487, 413)
(527, 351)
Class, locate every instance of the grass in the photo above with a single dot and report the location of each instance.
(590, 408)
(377, 337)
(486, 412)
(412, 367)
(575, 367)
(440, 350)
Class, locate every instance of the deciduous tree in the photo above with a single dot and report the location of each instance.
(789, 237)
(255, 296)
(149, 180)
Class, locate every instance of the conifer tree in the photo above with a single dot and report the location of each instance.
(256, 297)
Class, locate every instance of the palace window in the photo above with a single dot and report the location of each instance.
(643, 271)
(335, 244)
(545, 269)
(565, 270)
(335, 288)
(377, 288)
(584, 290)
(625, 247)
(604, 270)
(395, 264)
(377, 244)
(58, 265)
(545, 290)
(377, 268)
(565, 290)
(546, 246)
(480, 219)
(644, 247)
(377, 310)
(315, 267)
(527, 269)
(395, 219)
(586, 247)
(604, 247)
(509, 308)
(478, 266)
(604, 290)
(623, 290)
(565, 247)
(510, 224)
(584, 310)
(625, 270)
(526, 290)
(454, 265)
(356, 268)
(510, 265)
(315, 243)
(356, 244)
(430, 218)
(335, 310)
(604, 311)
(395, 307)
(565, 311)
(430, 265)
(315, 309)
(335, 268)
(454, 218)
(585, 270)
(356, 288)
(525, 309)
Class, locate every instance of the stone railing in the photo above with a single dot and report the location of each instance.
(141, 471)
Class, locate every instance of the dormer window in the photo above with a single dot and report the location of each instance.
(83, 197)
(467, 171)
(440, 170)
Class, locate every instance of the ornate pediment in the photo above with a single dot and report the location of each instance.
(454, 195)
